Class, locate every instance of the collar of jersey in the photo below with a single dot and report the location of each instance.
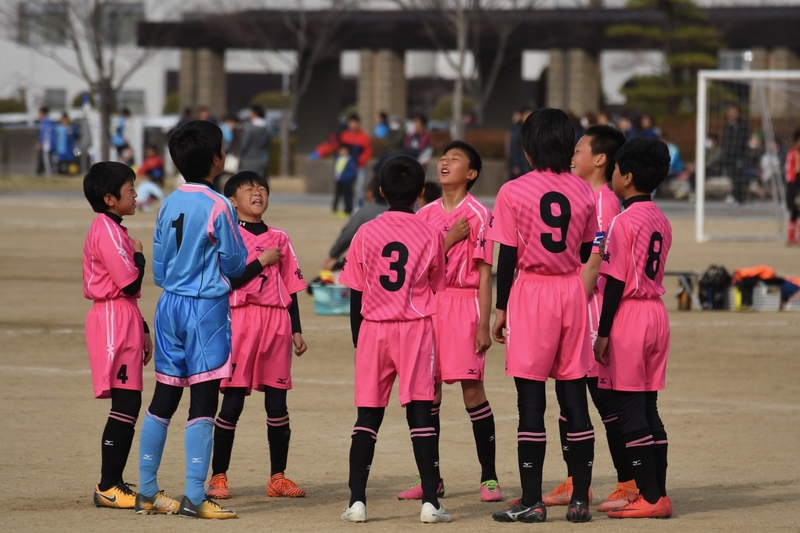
(113, 216)
(201, 182)
(635, 199)
(402, 210)
(256, 228)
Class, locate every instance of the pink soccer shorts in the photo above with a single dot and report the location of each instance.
(637, 347)
(547, 328)
(456, 323)
(386, 350)
(115, 342)
(261, 348)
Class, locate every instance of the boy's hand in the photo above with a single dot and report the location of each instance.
(270, 256)
(148, 349)
(499, 326)
(600, 350)
(603, 246)
(457, 233)
(137, 245)
(483, 340)
(299, 344)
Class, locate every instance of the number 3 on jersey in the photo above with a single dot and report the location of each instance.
(398, 266)
(560, 221)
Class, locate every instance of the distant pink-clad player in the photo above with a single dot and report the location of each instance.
(394, 266)
(464, 307)
(545, 222)
(593, 161)
(117, 338)
(633, 337)
(265, 326)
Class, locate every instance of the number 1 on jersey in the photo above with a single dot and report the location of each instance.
(178, 225)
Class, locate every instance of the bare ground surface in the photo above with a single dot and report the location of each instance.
(731, 406)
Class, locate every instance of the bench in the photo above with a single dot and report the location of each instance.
(687, 280)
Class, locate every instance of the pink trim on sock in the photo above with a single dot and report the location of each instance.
(194, 421)
(278, 422)
(660, 442)
(371, 432)
(610, 419)
(644, 441)
(417, 433)
(562, 418)
(580, 436)
(163, 421)
(224, 424)
(530, 436)
(435, 411)
(122, 417)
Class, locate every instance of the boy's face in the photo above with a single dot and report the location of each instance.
(453, 169)
(584, 163)
(353, 125)
(125, 205)
(621, 184)
(149, 152)
(251, 201)
(344, 152)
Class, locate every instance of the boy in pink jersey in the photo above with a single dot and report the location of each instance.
(545, 222)
(394, 266)
(464, 307)
(594, 162)
(117, 338)
(265, 323)
(633, 353)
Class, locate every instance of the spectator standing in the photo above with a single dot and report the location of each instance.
(417, 143)
(360, 148)
(344, 175)
(648, 129)
(120, 140)
(256, 142)
(517, 164)
(65, 135)
(381, 130)
(45, 144)
(735, 153)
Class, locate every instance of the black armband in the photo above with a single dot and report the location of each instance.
(611, 299)
(586, 252)
(294, 315)
(253, 269)
(355, 315)
(134, 288)
(506, 264)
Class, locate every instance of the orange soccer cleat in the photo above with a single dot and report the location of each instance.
(626, 492)
(280, 487)
(641, 508)
(218, 487)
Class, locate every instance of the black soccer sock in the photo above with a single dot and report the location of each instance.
(437, 426)
(581, 455)
(563, 426)
(483, 430)
(639, 446)
(116, 444)
(278, 431)
(362, 450)
(426, 448)
(531, 447)
(225, 428)
(660, 446)
(616, 446)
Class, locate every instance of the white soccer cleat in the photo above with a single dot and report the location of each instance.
(431, 515)
(356, 513)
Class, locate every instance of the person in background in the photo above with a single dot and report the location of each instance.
(204, 113)
(417, 143)
(625, 125)
(65, 136)
(151, 190)
(604, 120)
(344, 175)
(432, 191)
(187, 117)
(381, 126)
(45, 144)
(360, 149)
(769, 169)
(792, 175)
(256, 142)
(648, 129)
(517, 163)
(120, 140)
(735, 135)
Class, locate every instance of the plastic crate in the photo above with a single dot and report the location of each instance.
(332, 299)
(764, 299)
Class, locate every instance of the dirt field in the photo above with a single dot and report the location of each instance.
(731, 406)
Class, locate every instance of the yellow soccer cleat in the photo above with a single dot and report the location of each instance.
(120, 496)
(158, 504)
(208, 509)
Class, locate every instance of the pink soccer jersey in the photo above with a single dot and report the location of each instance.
(276, 283)
(606, 208)
(462, 259)
(107, 260)
(638, 242)
(547, 217)
(397, 261)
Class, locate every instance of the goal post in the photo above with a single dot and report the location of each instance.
(739, 163)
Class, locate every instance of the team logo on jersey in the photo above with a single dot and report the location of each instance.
(491, 220)
(298, 273)
(482, 242)
(344, 263)
(259, 248)
(602, 381)
(472, 371)
(607, 257)
(282, 381)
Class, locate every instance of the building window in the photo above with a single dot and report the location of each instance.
(120, 22)
(42, 23)
(734, 59)
(55, 99)
(132, 100)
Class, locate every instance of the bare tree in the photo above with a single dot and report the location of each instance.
(468, 27)
(84, 38)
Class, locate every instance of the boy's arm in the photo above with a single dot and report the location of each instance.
(590, 272)
(134, 288)
(230, 246)
(158, 256)
(355, 315)
(483, 339)
(437, 271)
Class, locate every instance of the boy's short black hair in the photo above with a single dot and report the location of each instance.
(106, 177)
(433, 191)
(44, 110)
(354, 116)
(402, 179)
(473, 156)
(422, 118)
(647, 160)
(347, 147)
(258, 110)
(549, 139)
(605, 140)
(193, 147)
(125, 111)
(240, 179)
(152, 147)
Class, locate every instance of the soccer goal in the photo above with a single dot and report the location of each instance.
(745, 126)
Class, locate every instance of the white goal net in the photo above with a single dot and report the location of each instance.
(746, 122)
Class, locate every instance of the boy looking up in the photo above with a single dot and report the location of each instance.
(197, 249)
(394, 266)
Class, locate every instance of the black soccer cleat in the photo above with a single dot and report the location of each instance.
(522, 513)
(578, 511)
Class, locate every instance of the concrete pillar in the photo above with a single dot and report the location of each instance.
(780, 95)
(381, 85)
(202, 80)
(573, 82)
(507, 94)
(320, 105)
